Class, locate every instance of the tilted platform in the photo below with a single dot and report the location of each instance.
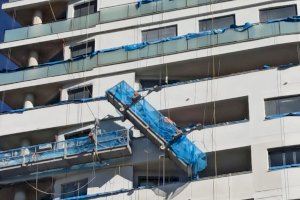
(67, 153)
(159, 129)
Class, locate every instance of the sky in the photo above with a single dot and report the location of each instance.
(6, 22)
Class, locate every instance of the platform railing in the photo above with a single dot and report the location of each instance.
(230, 36)
(63, 149)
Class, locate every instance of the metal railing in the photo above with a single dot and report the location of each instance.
(105, 15)
(230, 36)
(63, 149)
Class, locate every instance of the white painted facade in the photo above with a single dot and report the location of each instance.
(246, 81)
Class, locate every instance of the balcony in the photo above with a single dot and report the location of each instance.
(105, 15)
(69, 152)
(120, 55)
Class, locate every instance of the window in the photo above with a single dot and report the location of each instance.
(73, 189)
(148, 83)
(282, 105)
(82, 133)
(80, 93)
(228, 161)
(155, 180)
(216, 23)
(277, 13)
(82, 49)
(85, 9)
(284, 156)
(159, 33)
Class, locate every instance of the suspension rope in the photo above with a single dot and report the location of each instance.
(62, 193)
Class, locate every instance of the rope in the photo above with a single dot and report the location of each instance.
(62, 193)
(52, 193)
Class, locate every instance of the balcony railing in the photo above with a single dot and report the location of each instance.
(64, 149)
(105, 15)
(230, 36)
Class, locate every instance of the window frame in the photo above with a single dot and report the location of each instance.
(276, 101)
(158, 29)
(82, 5)
(216, 18)
(274, 8)
(90, 93)
(86, 46)
(65, 194)
(284, 151)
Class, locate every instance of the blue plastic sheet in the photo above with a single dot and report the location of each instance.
(184, 149)
(284, 167)
(292, 114)
(140, 2)
(289, 19)
(241, 28)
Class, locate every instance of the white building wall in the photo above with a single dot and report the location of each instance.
(261, 134)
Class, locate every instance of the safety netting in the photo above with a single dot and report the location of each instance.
(42, 152)
(165, 129)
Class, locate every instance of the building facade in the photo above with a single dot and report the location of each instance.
(228, 74)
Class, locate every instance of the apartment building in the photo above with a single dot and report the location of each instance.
(225, 73)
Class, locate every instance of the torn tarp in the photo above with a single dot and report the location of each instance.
(241, 28)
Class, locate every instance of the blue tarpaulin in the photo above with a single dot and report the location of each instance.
(292, 114)
(140, 2)
(183, 148)
(289, 19)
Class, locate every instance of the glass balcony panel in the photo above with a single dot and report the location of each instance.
(93, 19)
(134, 55)
(35, 73)
(166, 5)
(16, 34)
(114, 13)
(264, 30)
(133, 11)
(58, 69)
(175, 46)
(289, 27)
(112, 57)
(79, 23)
(90, 63)
(76, 66)
(152, 51)
(148, 8)
(13, 77)
(39, 30)
(232, 36)
(191, 3)
(61, 26)
(201, 42)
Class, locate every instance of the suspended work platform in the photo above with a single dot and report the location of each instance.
(158, 128)
(96, 147)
